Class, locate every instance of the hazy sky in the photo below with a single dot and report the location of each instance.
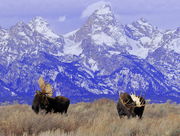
(67, 15)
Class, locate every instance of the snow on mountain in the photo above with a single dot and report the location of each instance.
(30, 38)
(171, 40)
(97, 60)
(167, 57)
(98, 38)
(137, 49)
(143, 38)
(140, 28)
(72, 48)
(40, 25)
(174, 45)
(102, 28)
(168, 63)
(102, 40)
(161, 49)
(3, 37)
(70, 35)
(21, 34)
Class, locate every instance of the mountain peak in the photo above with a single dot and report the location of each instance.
(101, 20)
(3, 35)
(140, 28)
(142, 20)
(177, 31)
(39, 20)
(19, 28)
(103, 13)
(104, 9)
(20, 23)
(40, 25)
(103, 29)
(102, 17)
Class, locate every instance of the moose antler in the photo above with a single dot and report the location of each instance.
(126, 103)
(45, 87)
(48, 90)
(137, 100)
(42, 84)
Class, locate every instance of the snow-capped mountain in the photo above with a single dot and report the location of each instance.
(161, 49)
(98, 39)
(103, 29)
(143, 38)
(23, 38)
(38, 24)
(171, 40)
(166, 58)
(99, 59)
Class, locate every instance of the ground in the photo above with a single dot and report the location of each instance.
(99, 118)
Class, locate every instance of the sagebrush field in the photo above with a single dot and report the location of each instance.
(99, 118)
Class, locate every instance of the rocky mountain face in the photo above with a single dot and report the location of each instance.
(161, 49)
(166, 58)
(100, 59)
(143, 38)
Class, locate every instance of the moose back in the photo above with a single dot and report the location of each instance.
(50, 104)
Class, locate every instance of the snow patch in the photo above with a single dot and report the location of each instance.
(67, 35)
(114, 52)
(174, 45)
(157, 39)
(93, 7)
(138, 49)
(145, 40)
(40, 25)
(93, 64)
(13, 94)
(72, 48)
(104, 10)
(103, 38)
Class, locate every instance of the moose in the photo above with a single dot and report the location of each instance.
(130, 105)
(43, 100)
(49, 104)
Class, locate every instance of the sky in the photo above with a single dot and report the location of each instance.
(67, 15)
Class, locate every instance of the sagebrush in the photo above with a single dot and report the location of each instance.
(99, 118)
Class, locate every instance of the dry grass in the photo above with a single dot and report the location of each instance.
(99, 118)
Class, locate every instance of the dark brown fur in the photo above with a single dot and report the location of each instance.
(49, 104)
(127, 100)
(127, 107)
(139, 110)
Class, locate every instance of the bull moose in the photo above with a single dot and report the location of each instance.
(43, 100)
(130, 105)
(50, 104)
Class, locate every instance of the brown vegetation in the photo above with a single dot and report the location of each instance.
(99, 118)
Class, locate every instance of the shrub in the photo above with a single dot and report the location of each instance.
(98, 118)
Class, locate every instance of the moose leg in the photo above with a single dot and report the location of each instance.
(139, 111)
(65, 111)
(36, 109)
(48, 109)
(66, 108)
